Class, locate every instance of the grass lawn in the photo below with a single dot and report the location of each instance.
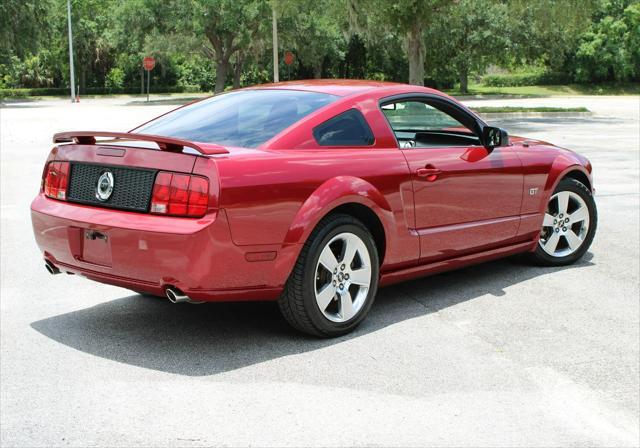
(508, 109)
(474, 89)
(557, 90)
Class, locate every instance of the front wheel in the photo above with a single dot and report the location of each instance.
(569, 225)
(335, 279)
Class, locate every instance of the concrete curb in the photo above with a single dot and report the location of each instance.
(494, 115)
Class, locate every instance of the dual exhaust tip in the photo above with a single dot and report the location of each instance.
(176, 296)
(51, 268)
(173, 294)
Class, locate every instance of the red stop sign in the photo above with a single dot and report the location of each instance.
(288, 58)
(148, 63)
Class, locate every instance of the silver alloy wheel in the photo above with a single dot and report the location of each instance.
(565, 225)
(342, 277)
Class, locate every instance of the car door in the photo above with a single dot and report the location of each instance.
(466, 198)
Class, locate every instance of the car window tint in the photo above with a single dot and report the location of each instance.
(419, 116)
(347, 129)
(245, 118)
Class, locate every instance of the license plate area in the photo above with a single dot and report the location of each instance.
(96, 248)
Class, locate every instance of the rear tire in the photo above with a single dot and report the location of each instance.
(335, 279)
(569, 225)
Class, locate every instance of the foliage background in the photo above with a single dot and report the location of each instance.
(211, 45)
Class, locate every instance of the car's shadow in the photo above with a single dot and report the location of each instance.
(212, 338)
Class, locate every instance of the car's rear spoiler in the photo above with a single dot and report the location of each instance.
(164, 143)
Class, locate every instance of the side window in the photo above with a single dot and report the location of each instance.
(418, 116)
(421, 125)
(346, 129)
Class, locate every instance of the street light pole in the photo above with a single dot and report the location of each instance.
(71, 69)
(276, 75)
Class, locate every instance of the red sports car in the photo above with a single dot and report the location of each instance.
(311, 193)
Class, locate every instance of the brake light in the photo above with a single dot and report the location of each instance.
(56, 180)
(180, 195)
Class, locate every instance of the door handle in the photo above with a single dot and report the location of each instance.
(430, 172)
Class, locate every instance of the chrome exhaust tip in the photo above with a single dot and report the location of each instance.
(51, 268)
(176, 296)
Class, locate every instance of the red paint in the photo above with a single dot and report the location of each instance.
(164, 143)
(440, 208)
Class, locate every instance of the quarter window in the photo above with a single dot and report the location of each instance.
(346, 129)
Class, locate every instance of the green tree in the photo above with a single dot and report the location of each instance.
(546, 31)
(310, 29)
(24, 26)
(228, 26)
(93, 50)
(470, 36)
(609, 50)
(406, 18)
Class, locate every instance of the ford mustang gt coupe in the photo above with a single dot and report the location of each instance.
(310, 193)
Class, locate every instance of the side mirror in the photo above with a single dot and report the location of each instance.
(492, 137)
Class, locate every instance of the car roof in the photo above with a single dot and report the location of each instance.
(341, 87)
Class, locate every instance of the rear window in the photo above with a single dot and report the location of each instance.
(245, 118)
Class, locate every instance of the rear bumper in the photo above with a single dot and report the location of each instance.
(149, 253)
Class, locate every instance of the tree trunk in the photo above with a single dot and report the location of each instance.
(317, 70)
(142, 81)
(237, 72)
(416, 52)
(222, 67)
(83, 81)
(464, 80)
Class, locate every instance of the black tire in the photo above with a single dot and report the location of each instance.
(540, 257)
(298, 303)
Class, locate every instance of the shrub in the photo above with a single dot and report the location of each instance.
(525, 79)
(114, 79)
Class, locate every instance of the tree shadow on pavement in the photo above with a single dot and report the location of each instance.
(199, 340)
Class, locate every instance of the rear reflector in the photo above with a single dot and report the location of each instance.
(56, 179)
(180, 195)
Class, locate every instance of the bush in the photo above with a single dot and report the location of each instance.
(525, 79)
(196, 73)
(115, 79)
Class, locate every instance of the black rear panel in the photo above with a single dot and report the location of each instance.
(132, 187)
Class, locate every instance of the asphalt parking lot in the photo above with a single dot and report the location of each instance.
(500, 354)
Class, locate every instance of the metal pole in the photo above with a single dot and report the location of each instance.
(148, 77)
(71, 68)
(276, 77)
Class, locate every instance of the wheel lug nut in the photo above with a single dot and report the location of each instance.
(342, 268)
(555, 221)
(566, 220)
(557, 229)
(346, 276)
(564, 229)
(341, 286)
(334, 283)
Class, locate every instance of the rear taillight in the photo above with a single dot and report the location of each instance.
(56, 179)
(180, 195)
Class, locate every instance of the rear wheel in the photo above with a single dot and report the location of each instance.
(569, 225)
(335, 279)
